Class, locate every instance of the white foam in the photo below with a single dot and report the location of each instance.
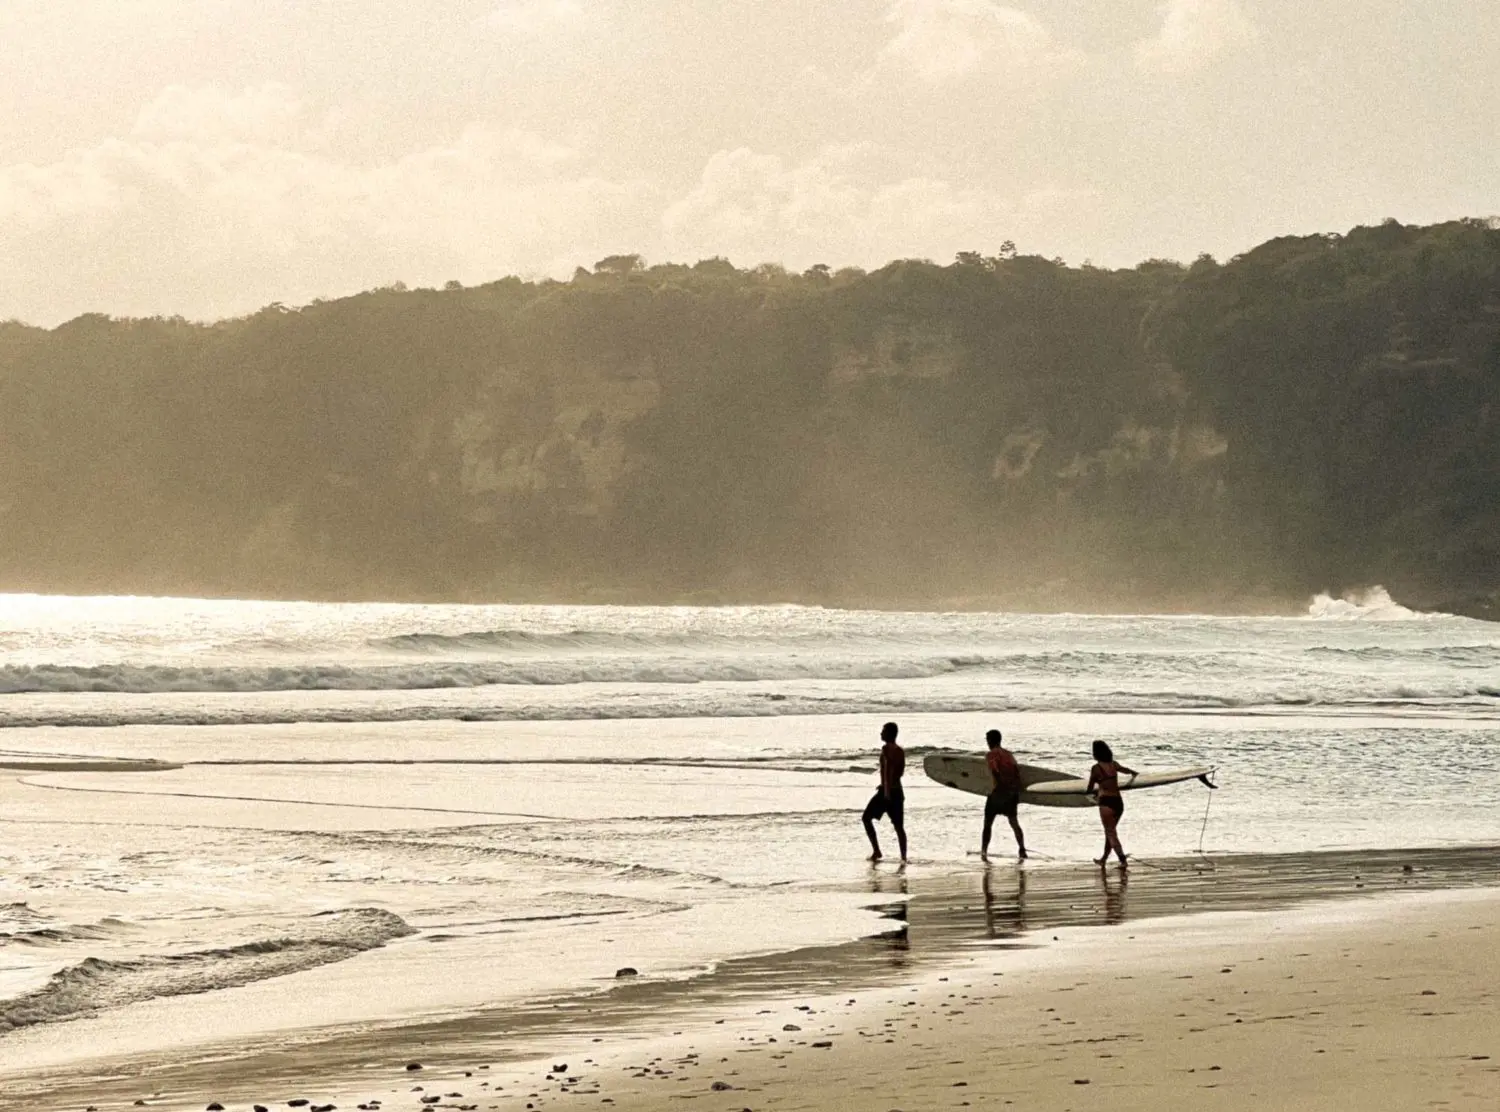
(95, 984)
(1365, 604)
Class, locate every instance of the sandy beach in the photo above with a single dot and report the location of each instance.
(1371, 1001)
(1389, 1004)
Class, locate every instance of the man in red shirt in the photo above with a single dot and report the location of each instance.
(889, 799)
(1005, 793)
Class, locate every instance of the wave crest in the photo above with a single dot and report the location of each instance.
(97, 983)
(1365, 604)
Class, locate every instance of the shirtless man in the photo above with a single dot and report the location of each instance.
(1005, 793)
(888, 799)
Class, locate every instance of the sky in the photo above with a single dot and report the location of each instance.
(207, 157)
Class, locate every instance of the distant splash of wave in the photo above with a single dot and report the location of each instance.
(96, 984)
(1368, 604)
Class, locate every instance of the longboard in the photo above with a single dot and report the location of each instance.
(1044, 787)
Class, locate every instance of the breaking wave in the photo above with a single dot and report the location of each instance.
(96, 983)
(59, 935)
(747, 702)
(744, 666)
(1370, 604)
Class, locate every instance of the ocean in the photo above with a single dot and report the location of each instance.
(361, 817)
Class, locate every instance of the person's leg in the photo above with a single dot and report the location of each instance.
(1111, 819)
(1015, 826)
(989, 823)
(1105, 817)
(872, 812)
(1114, 832)
(896, 808)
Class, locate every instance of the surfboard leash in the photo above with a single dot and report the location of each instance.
(1204, 831)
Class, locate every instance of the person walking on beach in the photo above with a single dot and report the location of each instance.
(888, 799)
(1005, 793)
(1104, 784)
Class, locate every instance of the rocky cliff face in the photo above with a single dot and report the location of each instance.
(1319, 413)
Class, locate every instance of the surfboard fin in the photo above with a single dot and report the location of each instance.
(1206, 782)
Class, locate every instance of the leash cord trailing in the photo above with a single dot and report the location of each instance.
(1204, 831)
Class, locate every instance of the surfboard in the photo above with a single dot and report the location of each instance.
(1044, 787)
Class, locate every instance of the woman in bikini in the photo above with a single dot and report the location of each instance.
(1104, 784)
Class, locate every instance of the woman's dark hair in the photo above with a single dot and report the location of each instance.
(1103, 752)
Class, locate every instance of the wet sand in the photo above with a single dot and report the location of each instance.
(1389, 1004)
(1039, 986)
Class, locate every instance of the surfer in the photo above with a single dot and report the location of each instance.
(1005, 793)
(1104, 785)
(888, 799)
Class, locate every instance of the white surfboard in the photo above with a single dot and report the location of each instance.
(1044, 787)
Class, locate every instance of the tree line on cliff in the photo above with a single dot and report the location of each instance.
(1322, 411)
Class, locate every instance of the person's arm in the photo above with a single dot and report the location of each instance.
(1127, 771)
(1093, 780)
(885, 771)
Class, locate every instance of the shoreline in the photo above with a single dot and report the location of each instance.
(999, 918)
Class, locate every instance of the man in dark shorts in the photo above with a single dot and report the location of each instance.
(888, 799)
(1005, 793)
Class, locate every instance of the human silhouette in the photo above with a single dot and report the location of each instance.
(889, 799)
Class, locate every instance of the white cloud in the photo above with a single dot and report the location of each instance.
(944, 40)
(536, 17)
(1193, 33)
(219, 203)
(844, 205)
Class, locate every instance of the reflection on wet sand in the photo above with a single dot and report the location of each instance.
(896, 939)
(1009, 918)
(1114, 896)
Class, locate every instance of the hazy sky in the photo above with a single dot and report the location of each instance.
(205, 157)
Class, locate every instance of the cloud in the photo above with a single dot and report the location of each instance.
(217, 203)
(1193, 33)
(536, 17)
(940, 41)
(844, 205)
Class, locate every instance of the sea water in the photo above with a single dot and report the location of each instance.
(380, 814)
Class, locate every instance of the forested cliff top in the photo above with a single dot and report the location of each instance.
(1320, 413)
